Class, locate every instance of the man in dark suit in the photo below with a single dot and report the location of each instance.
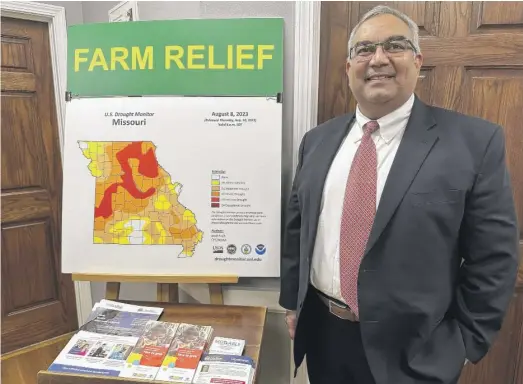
(400, 247)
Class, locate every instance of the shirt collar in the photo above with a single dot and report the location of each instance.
(390, 125)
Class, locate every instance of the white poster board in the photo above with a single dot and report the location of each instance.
(172, 185)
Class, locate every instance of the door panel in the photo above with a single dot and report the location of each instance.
(488, 16)
(473, 63)
(38, 302)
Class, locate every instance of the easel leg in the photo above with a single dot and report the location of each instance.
(167, 293)
(216, 293)
(112, 291)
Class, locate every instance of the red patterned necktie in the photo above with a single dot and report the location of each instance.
(359, 209)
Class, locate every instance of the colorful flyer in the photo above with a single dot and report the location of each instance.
(184, 353)
(93, 353)
(150, 350)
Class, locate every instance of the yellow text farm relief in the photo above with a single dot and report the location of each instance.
(193, 57)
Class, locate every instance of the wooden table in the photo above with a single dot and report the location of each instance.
(239, 322)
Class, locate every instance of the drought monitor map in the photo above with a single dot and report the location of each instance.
(136, 201)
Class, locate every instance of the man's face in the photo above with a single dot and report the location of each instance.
(399, 70)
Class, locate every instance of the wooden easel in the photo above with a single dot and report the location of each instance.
(167, 285)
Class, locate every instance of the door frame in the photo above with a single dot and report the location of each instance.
(54, 16)
(307, 17)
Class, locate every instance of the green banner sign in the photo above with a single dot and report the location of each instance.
(197, 57)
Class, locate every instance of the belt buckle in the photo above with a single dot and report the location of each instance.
(333, 304)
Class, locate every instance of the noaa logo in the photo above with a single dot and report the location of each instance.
(246, 249)
(260, 249)
(231, 249)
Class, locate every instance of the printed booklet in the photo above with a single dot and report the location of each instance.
(226, 346)
(225, 369)
(119, 319)
(184, 354)
(94, 353)
(150, 350)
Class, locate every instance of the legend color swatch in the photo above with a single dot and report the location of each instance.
(215, 191)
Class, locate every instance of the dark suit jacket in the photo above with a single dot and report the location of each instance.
(447, 200)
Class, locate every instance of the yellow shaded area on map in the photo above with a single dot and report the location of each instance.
(162, 203)
(96, 152)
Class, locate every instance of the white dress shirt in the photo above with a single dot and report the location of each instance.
(325, 267)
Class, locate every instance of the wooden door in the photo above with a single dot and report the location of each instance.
(38, 302)
(473, 63)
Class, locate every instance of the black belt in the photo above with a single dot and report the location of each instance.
(337, 308)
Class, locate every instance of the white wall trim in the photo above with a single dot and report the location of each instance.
(121, 11)
(55, 17)
(307, 19)
(306, 70)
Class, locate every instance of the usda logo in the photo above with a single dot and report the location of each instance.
(260, 249)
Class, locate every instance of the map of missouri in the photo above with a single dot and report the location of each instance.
(136, 202)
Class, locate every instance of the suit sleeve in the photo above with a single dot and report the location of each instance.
(489, 248)
(290, 257)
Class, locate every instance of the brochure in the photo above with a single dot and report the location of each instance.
(226, 346)
(225, 369)
(150, 350)
(184, 353)
(93, 353)
(120, 319)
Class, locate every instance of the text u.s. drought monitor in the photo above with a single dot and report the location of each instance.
(246, 57)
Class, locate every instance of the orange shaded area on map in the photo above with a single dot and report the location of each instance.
(136, 202)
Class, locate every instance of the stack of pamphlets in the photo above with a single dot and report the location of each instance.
(105, 341)
(150, 350)
(184, 353)
(224, 363)
(225, 346)
(130, 341)
(225, 369)
(114, 318)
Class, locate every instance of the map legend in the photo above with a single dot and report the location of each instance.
(215, 191)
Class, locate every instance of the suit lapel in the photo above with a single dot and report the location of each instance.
(417, 141)
(320, 163)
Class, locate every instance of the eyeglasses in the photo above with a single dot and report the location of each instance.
(393, 47)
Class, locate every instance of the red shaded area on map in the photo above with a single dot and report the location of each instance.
(147, 166)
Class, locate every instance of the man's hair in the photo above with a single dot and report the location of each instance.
(385, 10)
